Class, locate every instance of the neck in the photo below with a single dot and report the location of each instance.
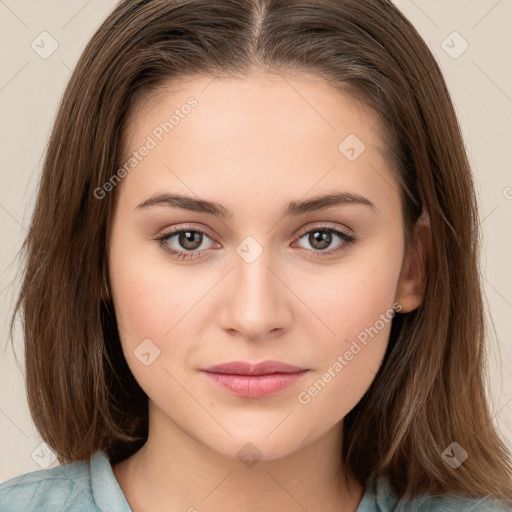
(174, 471)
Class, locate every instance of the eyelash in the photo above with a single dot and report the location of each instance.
(187, 255)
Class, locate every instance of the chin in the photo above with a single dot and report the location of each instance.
(250, 448)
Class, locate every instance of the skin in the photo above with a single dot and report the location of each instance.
(253, 145)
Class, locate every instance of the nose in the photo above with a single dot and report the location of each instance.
(257, 303)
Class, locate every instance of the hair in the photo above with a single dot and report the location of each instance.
(429, 391)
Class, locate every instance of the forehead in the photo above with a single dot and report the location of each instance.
(262, 99)
(260, 133)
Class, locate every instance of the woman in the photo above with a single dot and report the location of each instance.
(252, 277)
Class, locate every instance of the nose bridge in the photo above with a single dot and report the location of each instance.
(254, 279)
(257, 301)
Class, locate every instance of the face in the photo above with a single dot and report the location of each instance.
(274, 274)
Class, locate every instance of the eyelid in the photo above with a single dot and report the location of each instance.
(184, 227)
(325, 225)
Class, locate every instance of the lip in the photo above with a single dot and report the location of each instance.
(254, 380)
(245, 368)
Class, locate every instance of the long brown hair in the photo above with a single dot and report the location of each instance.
(429, 391)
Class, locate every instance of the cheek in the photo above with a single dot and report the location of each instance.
(148, 309)
(355, 307)
(149, 294)
(336, 388)
(159, 313)
(353, 295)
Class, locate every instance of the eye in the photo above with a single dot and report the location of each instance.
(321, 237)
(185, 238)
(185, 243)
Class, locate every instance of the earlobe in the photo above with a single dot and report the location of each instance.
(411, 285)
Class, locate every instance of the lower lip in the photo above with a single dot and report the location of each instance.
(255, 386)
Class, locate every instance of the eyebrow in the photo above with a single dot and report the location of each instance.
(294, 208)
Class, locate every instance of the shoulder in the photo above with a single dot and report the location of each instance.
(386, 501)
(77, 486)
(455, 504)
(48, 489)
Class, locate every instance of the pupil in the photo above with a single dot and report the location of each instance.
(322, 241)
(190, 239)
(319, 239)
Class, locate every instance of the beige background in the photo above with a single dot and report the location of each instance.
(480, 80)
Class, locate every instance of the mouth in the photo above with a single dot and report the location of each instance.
(254, 381)
(245, 368)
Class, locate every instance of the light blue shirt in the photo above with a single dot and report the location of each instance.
(90, 486)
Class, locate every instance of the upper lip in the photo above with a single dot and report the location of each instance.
(245, 368)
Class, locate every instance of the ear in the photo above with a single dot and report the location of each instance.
(411, 284)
